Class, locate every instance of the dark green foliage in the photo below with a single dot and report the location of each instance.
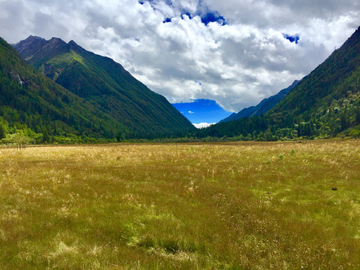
(46, 138)
(358, 116)
(2, 132)
(105, 84)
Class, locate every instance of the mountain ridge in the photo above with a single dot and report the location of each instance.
(263, 107)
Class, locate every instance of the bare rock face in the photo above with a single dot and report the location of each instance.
(16, 77)
(27, 46)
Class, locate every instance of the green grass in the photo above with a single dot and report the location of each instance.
(181, 206)
(66, 59)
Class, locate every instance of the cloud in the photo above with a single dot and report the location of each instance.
(235, 52)
(190, 112)
(203, 125)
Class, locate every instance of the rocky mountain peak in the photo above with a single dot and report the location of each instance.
(56, 40)
(28, 44)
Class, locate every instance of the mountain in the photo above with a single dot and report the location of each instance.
(329, 97)
(263, 107)
(326, 103)
(28, 98)
(105, 84)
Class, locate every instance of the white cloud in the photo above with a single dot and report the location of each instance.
(236, 64)
(203, 125)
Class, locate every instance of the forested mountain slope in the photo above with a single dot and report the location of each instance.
(329, 97)
(105, 84)
(29, 98)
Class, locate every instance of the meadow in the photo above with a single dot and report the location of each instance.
(241, 205)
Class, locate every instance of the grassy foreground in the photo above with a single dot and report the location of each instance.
(185, 206)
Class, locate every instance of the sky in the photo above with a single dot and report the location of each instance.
(202, 112)
(232, 53)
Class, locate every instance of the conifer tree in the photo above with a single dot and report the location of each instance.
(2, 132)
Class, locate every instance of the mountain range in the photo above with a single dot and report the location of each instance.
(59, 89)
(82, 93)
(263, 107)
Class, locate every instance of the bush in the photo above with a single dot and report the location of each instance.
(355, 133)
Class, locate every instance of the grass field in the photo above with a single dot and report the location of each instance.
(181, 206)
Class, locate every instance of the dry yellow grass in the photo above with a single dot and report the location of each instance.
(181, 206)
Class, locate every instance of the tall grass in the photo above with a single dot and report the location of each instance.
(185, 206)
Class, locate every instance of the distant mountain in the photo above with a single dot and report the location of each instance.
(326, 103)
(105, 84)
(263, 107)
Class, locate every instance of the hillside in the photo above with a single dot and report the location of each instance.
(329, 96)
(105, 84)
(27, 98)
(263, 107)
(326, 103)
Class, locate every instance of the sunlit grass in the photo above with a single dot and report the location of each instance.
(184, 206)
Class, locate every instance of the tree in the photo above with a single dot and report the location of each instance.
(358, 116)
(46, 137)
(2, 132)
(18, 138)
(344, 122)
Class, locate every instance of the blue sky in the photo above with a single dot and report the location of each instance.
(202, 111)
